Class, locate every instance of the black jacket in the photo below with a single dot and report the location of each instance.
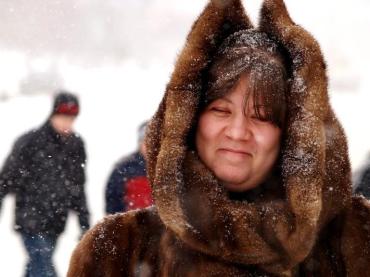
(46, 173)
(363, 186)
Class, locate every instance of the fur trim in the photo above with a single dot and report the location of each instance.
(316, 165)
(119, 245)
(355, 244)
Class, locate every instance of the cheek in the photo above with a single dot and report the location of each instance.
(61, 125)
(269, 140)
(69, 124)
(205, 135)
(65, 125)
(201, 135)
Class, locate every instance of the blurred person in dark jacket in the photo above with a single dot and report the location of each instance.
(46, 172)
(128, 186)
(362, 180)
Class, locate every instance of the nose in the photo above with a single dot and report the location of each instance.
(239, 128)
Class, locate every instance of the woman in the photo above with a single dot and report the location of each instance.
(248, 164)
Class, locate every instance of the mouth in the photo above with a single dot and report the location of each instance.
(235, 151)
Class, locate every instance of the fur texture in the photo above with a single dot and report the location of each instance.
(195, 228)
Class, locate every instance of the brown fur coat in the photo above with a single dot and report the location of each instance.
(316, 229)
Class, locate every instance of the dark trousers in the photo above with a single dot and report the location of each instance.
(40, 249)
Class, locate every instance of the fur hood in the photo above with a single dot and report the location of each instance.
(275, 234)
(309, 226)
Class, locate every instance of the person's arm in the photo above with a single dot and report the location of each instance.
(15, 168)
(114, 192)
(78, 197)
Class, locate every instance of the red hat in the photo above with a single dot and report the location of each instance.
(66, 103)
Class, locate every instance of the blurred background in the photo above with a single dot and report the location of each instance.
(117, 55)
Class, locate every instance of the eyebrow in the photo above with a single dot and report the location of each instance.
(225, 99)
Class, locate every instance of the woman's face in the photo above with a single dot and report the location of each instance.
(234, 144)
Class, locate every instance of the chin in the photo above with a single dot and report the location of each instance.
(235, 183)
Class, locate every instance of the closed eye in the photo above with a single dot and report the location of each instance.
(220, 110)
(260, 118)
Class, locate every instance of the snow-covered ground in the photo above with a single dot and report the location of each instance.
(117, 96)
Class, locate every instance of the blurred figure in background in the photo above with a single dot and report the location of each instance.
(362, 180)
(46, 172)
(128, 186)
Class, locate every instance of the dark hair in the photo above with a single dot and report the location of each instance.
(253, 53)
